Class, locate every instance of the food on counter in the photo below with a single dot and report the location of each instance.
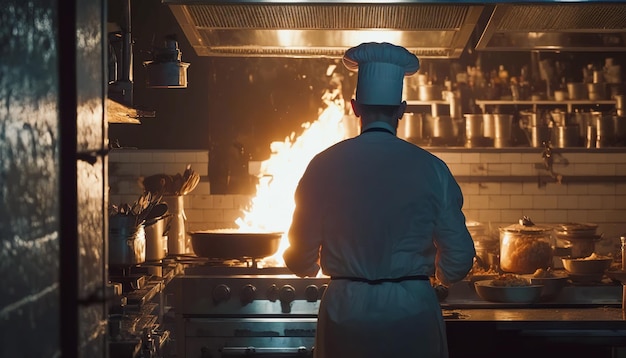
(543, 273)
(524, 254)
(510, 280)
(594, 256)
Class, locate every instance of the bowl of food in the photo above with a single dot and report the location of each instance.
(509, 288)
(593, 264)
(552, 282)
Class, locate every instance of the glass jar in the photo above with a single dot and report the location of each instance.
(526, 247)
(487, 246)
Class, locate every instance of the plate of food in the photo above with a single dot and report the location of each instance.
(509, 288)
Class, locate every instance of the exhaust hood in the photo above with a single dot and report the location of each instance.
(278, 28)
(581, 26)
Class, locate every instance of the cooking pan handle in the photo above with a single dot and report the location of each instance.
(262, 351)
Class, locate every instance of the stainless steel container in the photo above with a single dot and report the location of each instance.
(502, 124)
(577, 91)
(410, 126)
(430, 92)
(565, 137)
(539, 136)
(127, 241)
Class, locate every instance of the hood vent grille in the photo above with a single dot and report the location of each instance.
(323, 29)
(556, 27)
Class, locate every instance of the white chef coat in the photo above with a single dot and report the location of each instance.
(372, 207)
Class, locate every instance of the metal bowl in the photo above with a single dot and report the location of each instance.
(508, 294)
(586, 266)
(552, 286)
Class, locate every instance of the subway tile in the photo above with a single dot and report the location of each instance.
(460, 169)
(510, 216)
(147, 169)
(601, 189)
(185, 158)
(203, 188)
(522, 169)
(489, 188)
(511, 158)
(449, 157)
(124, 169)
(173, 168)
(531, 158)
(620, 204)
(510, 188)
(164, 157)
(620, 188)
(499, 201)
(470, 158)
(241, 202)
(223, 201)
(490, 158)
(567, 202)
(556, 216)
(521, 201)
(202, 201)
(140, 157)
(478, 169)
(194, 215)
(620, 169)
(538, 216)
(469, 188)
(598, 216)
(476, 201)
(532, 188)
(232, 215)
(577, 189)
(213, 215)
(499, 169)
(545, 201)
(489, 215)
(578, 216)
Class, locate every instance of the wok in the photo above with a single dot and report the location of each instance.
(234, 245)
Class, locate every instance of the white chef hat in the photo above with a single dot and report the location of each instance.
(381, 69)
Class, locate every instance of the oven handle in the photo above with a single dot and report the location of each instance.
(261, 351)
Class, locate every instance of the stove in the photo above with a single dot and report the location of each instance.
(244, 308)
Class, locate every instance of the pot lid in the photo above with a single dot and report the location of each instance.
(576, 227)
(526, 226)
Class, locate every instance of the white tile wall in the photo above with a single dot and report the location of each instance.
(494, 203)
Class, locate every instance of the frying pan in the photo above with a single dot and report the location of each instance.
(234, 245)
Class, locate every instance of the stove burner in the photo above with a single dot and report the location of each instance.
(245, 266)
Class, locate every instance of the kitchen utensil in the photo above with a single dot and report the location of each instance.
(155, 242)
(155, 213)
(227, 244)
(508, 294)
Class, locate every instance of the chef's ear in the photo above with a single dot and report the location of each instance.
(401, 109)
(355, 108)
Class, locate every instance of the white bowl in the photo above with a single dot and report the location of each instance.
(508, 294)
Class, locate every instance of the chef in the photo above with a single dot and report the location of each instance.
(380, 216)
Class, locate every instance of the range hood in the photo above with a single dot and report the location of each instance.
(584, 27)
(323, 28)
(430, 29)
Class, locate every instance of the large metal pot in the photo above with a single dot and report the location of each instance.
(225, 244)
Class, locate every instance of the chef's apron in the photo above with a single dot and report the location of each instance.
(390, 319)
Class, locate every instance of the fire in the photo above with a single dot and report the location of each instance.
(272, 208)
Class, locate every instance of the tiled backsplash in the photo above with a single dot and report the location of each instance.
(508, 192)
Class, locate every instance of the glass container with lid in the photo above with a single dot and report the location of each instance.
(526, 247)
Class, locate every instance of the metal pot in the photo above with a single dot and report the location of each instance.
(410, 126)
(430, 92)
(224, 244)
(127, 241)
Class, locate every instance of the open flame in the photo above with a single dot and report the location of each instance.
(272, 208)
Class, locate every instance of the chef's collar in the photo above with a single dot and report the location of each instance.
(379, 124)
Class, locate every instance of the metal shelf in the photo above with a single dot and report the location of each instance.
(568, 103)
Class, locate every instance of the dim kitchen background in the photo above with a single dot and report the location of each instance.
(236, 112)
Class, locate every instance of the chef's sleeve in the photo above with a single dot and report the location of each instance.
(302, 255)
(455, 247)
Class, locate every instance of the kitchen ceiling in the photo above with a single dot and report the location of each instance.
(309, 28)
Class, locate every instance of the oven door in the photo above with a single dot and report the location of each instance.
(249, 337)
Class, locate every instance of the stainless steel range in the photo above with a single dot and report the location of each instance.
(231, 309)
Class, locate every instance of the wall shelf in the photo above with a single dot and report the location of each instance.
(570, 104)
